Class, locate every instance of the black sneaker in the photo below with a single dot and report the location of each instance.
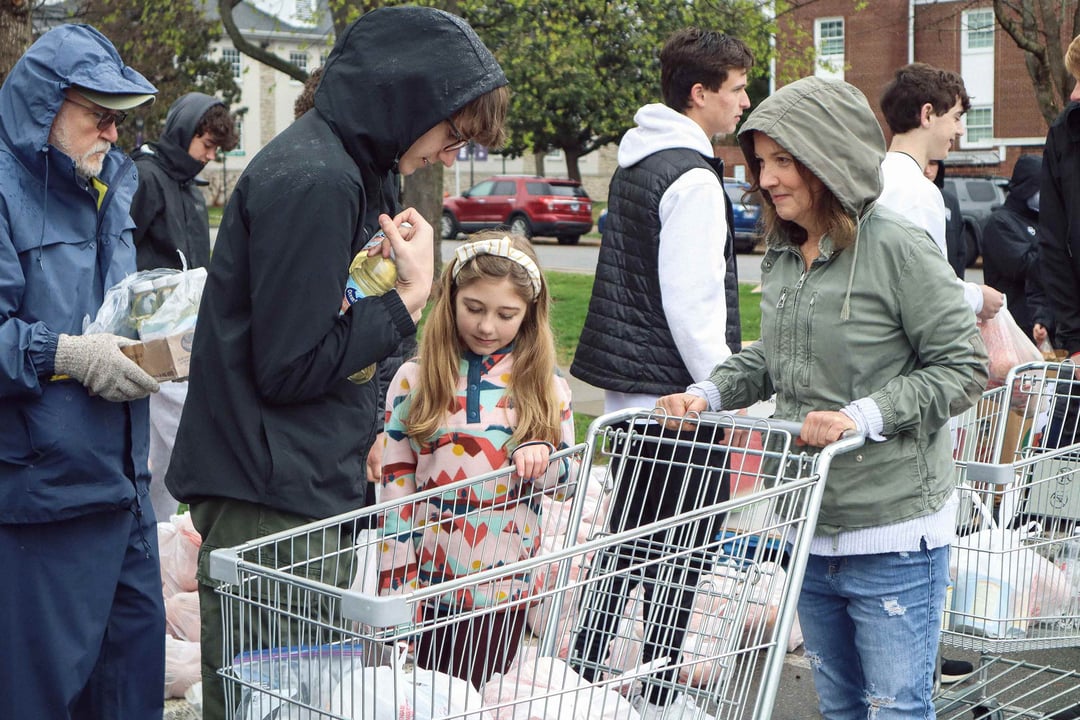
(955, 670)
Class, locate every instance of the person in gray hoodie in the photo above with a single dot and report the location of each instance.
(862, 331)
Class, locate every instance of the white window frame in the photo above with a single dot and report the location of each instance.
(238, 151)
(299, 59)
(829, 64)
(981, 31)
(233, 57)
(977, 111)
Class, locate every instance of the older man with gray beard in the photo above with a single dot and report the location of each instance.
(83, 627)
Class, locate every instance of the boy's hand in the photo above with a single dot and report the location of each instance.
(414, 253)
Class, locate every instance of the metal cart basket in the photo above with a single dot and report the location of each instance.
(316, 638)
(1016, 561)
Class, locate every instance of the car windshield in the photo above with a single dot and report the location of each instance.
(736, 193)
(982, 191)
(567, 190)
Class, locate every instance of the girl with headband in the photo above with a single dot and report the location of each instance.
(484, 394)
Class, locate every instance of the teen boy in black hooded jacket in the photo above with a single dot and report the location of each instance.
(273, 433)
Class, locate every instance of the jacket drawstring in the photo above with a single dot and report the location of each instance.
(44, 211)
(136, 510)
(845, 309)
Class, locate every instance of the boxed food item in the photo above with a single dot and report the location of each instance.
(164, 358)
(159, 308)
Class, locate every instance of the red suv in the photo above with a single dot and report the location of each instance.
(527, 205)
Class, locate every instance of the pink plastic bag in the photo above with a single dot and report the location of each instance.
(1007, 346)
(183, 666)
(178, 545)
(182, 616)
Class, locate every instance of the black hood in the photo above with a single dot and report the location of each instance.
(172, 147)
(397, 72)
(1027, 174)
(939, 178)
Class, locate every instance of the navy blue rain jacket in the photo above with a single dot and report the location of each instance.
(63, 453)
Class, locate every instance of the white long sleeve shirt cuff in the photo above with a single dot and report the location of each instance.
(973, 295)
(867, 417)
(707, 391)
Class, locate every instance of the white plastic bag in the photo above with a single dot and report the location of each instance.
(115, 316)
(545, 688)
(283, 680)
(391, 693)
(183, 666)
(1000, 585)
(178, 310)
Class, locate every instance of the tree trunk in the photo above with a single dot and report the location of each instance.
(573, 168)
(423, 190)
(15, 33)
(538, 157)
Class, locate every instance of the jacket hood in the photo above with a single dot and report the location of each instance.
(939, 177)
(66, 56)
(661, 128)
(829, 126)
(1027, 174)
(396, 73)
(172, 146)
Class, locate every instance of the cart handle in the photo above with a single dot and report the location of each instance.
(991, 473)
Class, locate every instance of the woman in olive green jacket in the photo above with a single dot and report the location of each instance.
(864, 327)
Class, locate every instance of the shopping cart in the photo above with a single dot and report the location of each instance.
(1016, 562)
(312, 648)
(1035, 408)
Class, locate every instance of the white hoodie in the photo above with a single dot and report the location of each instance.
(693, 232)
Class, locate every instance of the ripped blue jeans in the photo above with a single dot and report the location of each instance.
(871, 625)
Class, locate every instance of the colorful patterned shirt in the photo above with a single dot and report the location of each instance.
(476, 526)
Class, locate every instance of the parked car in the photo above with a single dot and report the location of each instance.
(747, 211)
(526, 204)
(978, 196)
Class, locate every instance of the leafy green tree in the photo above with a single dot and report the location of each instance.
(168, 42)
(579, 69)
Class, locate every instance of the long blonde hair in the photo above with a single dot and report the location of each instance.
(531, 388)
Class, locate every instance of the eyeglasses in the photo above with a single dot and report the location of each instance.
(104, 119)
(459, 140)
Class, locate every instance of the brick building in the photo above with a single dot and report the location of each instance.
(831, 38)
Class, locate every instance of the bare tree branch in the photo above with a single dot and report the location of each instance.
(225, 8)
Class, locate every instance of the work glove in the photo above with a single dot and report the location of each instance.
(95, 360)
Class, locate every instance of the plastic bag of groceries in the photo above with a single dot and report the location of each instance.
(150, 304)
(183, 666)
(391, 693)
(1007, 346)
(545, 688)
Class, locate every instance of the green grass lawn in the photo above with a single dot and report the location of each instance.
(570, 293)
